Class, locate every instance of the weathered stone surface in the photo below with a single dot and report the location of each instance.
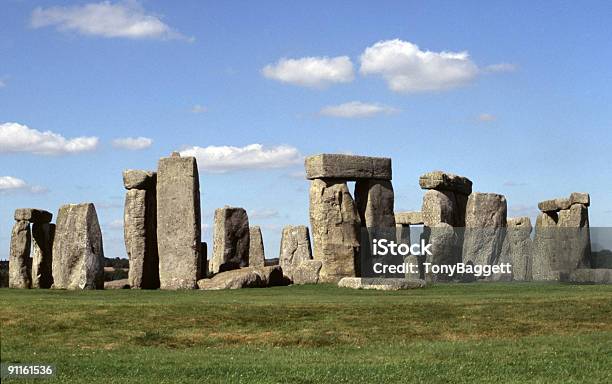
(33, 215)
(78, 254)
(42, 254)
(204, 267)
(231, 240)
(575, 244)
(438, 207)
(381, 284)
(117, 284)
(256, 247)
(140, 235)
(178, 222)
(347, 167)
(588, 276)
(445, 249)
(461, 201)
(249, 277)
(306, 272)
(19, 257)
(485, 222)
(139, 179)
(554, 205)
(336, 227)
(444, 181)
(409, 218)
(294, 248)
(374, 200)
(580, 198)
(545, 245)
(517, 249)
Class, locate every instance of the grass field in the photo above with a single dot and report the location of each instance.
(545, 333)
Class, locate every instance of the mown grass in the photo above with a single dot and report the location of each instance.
(544, 333)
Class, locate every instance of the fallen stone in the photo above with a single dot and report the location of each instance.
(336, 229)
(517, 249)
(42, 256)
(117, 284)
(230, 240)
(444, 181)
(381, 284)
(409, 218)
(256, 247)
(33, 215)
(588, 276)
(78, 255)
(485, 222)
(580, 198)
(19, 257)
(306, 272)
(438, 207)
(249, 277)
(347, 167)
(140, 235)
(139, 179)
(178, 222)
(294, 248)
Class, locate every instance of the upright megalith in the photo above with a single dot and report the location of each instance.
(294, 248)
(256, 247)
(231, 239)
(485, 225)
(140, 228)
(336, 229)
(19, 257)
(78, 254)
(562, 240)
(439, 207)
(449, 202)
(178, 222)
(374, 199)
(517, 249)
(42, 254)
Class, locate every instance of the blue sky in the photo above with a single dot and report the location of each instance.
(514, 95)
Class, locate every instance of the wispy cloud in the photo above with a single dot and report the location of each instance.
(313, 72)
(263, 213)
(357, 109)
(486, 117)
(198, 109)
(15, 137)
(10, 183)
(125, 19)
(500, 67)
(523, 210)
(222, 159)
(132, 143)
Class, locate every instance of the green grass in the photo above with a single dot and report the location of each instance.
(543, 333)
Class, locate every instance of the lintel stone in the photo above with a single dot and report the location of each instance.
(347, 167)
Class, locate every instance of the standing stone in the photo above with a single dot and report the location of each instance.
(256, 247)
(445, 250)
(19, 258)
(140, 234)
(203, 260)
(374, 200)
(517, 249)
(336, 229)
(575, 242)
(178, 222)
(294, 248)
(231, 239)
(42, 256)
(485, 223)
(438, 207)
(78, 255)
(545, 245)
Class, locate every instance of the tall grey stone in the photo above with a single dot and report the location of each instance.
(517, 249)
(231, 239)
(294, 248)
(575, 238)
(335, 224)
(347, 167)
(256, 247)
(545, 245)
(140, 235)
(178, 222)
(485, 225)
(42, 254)
(374, 200)
(78, 254)
(19, 257)
(445, 250)
(438, 207)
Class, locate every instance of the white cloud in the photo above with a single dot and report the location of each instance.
(406, 68)
(132, 143)
(314, 72)
(356, 109)
(500, 67)
(15, 137)
(263, 213)
(10, 183)
(126, 19)
(486, 117)
(253, 156)
(199, 109)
